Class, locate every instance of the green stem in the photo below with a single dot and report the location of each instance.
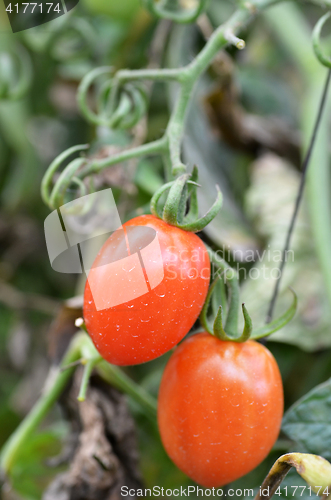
(126, 75)
(191, 73)
(81, 347)
(58, 378)
(47, 179)
(175, 127)
(220, 37)
(155, 147)
(116, 377)
(88, 368)
(170, 144)
(231, 278)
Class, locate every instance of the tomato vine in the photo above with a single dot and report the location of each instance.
(121, 103)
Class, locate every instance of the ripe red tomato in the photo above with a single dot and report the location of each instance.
(220, 408)
(132, 312)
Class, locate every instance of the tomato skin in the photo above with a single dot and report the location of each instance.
(220, 408)
(150, 325)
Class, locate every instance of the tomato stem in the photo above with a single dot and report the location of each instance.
(56, 382)
(229, 332)
(81, 347)
(116, 377)
(88, 369)
(170, 145)
(232, 280)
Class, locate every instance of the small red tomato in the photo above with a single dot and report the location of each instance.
(145, 290)
(220, 408)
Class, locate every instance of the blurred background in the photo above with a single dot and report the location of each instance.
(248, 127)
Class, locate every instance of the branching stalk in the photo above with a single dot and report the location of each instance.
(169, 146)
(81, 348)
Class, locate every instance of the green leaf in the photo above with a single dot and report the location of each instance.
(269, 202)
(308, 421)
(30, 475)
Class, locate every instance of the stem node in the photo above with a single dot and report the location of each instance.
(234, 40)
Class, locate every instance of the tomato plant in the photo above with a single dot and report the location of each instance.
(149, 325)
(221, 398)
(220, 408)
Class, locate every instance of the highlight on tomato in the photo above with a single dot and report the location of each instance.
(145, 290)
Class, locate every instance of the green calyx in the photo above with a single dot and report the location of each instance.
(227, 305)
(182, 192)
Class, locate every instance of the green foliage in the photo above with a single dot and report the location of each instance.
(31, 473)
(308, 421)
(278, 76)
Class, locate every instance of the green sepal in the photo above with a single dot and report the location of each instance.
(229, 331)
(218, 329)
(203, 315)
(201, 223)
(219, 296)
(193, 212)
(181, 190)
(220, 333)
(248, 326)
(173, 207)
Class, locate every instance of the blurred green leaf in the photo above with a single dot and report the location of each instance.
(308, 422)
(147, 178)
(269, 204)
(30, 475)
(124, 10)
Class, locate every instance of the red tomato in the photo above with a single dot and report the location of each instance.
(220, 408)
(145, 290)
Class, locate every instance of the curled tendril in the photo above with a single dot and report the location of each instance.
(15, 73)
(64, 181)
(187, 13)
(53, 196)
(74, 39)
(119, 108)
(323, 59)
